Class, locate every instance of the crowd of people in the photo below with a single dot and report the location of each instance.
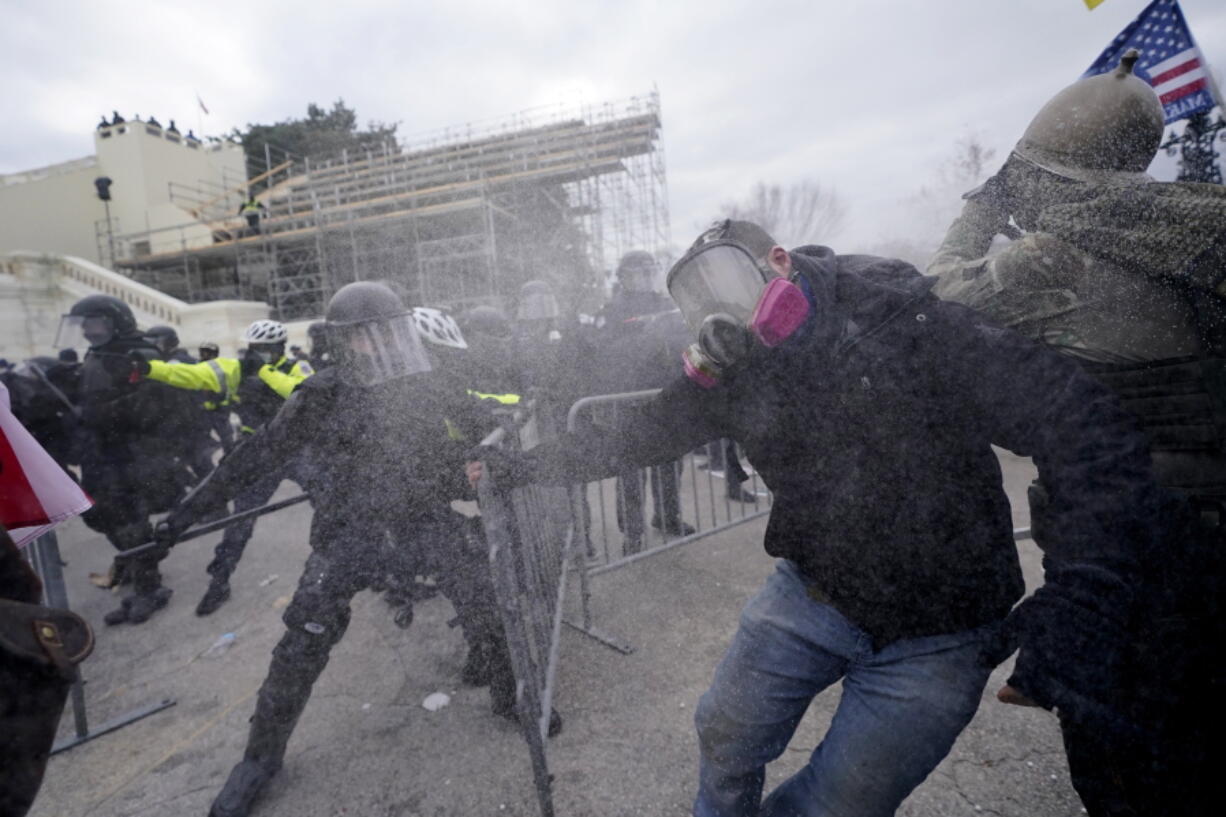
(867, 395)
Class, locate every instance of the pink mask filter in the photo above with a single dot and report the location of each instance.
(780, 312)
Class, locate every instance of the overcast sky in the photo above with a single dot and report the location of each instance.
(866, 95)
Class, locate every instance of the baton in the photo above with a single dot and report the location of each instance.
(216, 525)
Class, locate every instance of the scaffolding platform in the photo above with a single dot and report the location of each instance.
(458, 218)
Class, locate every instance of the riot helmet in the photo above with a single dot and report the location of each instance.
(95, 321)
(165, 338)
(485, 320)
(373, 335)
(536, 302)
(209, 350)
(637, 271)
(1104, 128)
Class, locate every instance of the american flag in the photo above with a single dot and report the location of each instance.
(1170, 60)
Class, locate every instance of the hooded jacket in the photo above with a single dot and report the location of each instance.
(873, 428)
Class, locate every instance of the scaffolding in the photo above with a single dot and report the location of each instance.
(457, 217)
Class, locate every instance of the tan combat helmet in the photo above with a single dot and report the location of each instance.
(1104, 128)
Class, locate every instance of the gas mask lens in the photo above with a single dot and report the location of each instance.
(84, 330)
(380, 350)
(717, 279)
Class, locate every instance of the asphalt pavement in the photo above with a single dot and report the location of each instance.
(366, 747)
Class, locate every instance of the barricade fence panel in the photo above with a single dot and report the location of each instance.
(530, 536)
(647, 511)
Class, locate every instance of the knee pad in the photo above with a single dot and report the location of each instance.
(315, 622)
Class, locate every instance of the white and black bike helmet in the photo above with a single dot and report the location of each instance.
(266, 332)
(437, 327)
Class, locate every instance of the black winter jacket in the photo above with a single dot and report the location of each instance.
(874, 432)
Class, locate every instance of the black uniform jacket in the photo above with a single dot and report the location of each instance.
(381, 455)
(874, 432)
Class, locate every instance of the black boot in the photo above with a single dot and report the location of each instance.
(244, 785)
(511, 713)
(476, 671)
(673, 527)
(138, 607)
(738, 494)
(214, 597)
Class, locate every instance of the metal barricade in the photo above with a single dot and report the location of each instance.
(530, 537)
(690, 499)
(44, 555)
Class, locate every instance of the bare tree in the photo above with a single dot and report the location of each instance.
(969, 163)
(804, 212)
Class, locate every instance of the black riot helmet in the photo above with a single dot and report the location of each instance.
(165, 338)
(485, 320)
(372, 334)
(536, 302)
(637, 271)
(95, 321)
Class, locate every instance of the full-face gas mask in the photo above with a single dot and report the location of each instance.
(732, 304)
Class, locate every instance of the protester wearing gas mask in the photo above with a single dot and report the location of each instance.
(897, 566)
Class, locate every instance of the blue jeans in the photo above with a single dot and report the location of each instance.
(901, 709)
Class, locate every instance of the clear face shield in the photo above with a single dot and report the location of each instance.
(639, 277)
(538, 306)
(76, 331)
(379, 350)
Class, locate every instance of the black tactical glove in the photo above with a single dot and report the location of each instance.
(1073, 639)
(251, 364)
(168, 531)
(140, 361)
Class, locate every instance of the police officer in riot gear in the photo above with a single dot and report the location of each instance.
(378, 422)
(218, 410)
(127, 481)
(257, 386)
(1123, 274)
(187, 429)
(636, 329)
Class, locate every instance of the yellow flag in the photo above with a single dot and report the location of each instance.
(1093, 4)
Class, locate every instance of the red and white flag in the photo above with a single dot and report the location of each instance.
(35, 493)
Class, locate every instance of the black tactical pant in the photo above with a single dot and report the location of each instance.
(230, 549)
(1173, 679)
(122, 505)
(666, 497)
(319, 613)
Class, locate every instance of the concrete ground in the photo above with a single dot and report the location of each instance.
(366, 747)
